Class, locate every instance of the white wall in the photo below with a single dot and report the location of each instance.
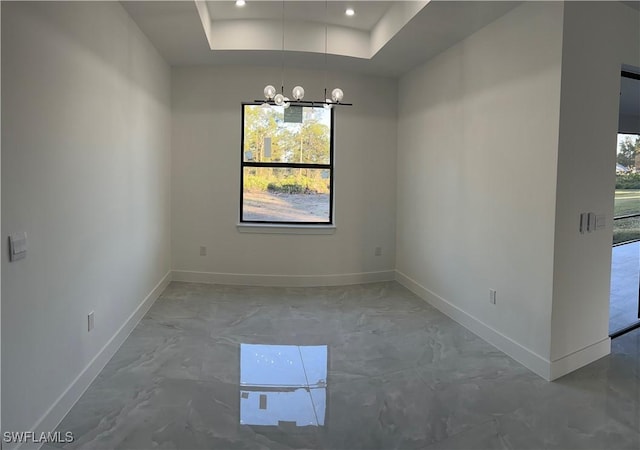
(85, 172)
(301, 36)
(598, 37)
(477, 148)
(206, 114)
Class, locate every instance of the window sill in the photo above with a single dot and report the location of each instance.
(265, 228)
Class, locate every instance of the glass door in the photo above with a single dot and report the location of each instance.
(624, 309)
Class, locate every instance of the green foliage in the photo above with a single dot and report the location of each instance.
(290, 142)
(255, 183)
(627, 202)
(626, 230)
(306, 142)
(628, 181)
(287, 188)
(282, 181)
(628, 150)
(299, 185)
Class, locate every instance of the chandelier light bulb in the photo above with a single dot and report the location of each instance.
(286, 103)
(328, 103)
(279, 99)
(298, 92)
(337, 95)
(269, 92)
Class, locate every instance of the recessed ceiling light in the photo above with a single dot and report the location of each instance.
(349, 12)
(240, 3)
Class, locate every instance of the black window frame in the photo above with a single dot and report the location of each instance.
(277, 164)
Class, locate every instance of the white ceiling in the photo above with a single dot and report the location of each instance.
(367, 13)
(176, 29)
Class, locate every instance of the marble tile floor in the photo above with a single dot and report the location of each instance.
(399, 375)
(625, 278)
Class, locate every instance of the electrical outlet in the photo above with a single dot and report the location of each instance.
(90, 321)
(203, 251)
(378, 251)
(492, 296)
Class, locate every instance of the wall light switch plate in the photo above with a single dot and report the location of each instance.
(17, 246)
(601, 221)
(591, 222)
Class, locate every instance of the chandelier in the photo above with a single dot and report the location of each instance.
(273, 97)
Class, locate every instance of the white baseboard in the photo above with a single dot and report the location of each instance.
(543, 367)
(549, 370)
(56, 412)
(523, 355)
(283, 280)
(567, 364)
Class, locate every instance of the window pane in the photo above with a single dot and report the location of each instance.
(302, 135)
(627, 201)
(625, 230)
(286, 195)
(627, 198)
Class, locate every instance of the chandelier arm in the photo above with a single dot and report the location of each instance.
(303, 103)
(298, 91)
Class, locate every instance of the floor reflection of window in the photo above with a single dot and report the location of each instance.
(283, 384)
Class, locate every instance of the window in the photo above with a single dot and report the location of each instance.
(287, 165)
(626, 220)
(291, 387)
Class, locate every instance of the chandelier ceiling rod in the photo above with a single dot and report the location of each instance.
(273, 98)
